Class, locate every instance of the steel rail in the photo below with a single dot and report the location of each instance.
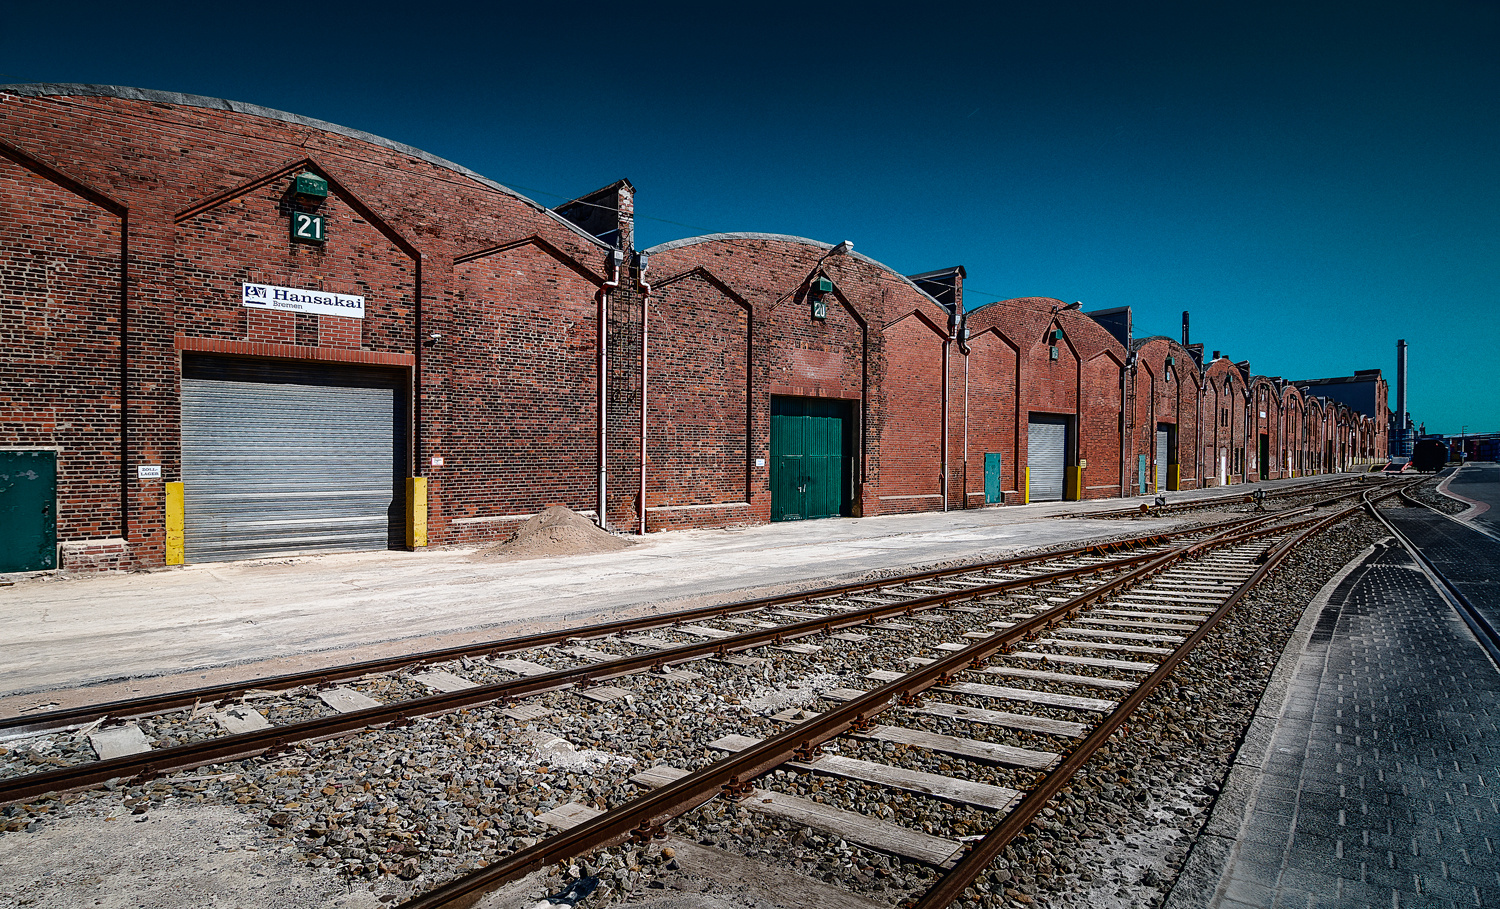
(156, 704)
(645, 817)
(951, 887)
(231, 747)
(1309, 488)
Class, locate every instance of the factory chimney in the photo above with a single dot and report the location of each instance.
(1184, 328)
(1401, 388)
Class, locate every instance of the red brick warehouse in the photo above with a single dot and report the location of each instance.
(236, 332)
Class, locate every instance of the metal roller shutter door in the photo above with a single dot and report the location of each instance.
(271, 468)
(1046, 454)
(1161, 460)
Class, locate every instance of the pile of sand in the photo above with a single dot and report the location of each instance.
(557, 531)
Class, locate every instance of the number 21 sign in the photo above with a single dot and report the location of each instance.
(308, 227)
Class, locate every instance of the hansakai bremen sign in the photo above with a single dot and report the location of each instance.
(290, 299)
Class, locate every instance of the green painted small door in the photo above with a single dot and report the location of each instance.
(992, 493)
(809, 470)
(28, 510)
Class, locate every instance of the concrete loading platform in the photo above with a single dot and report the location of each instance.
(90, 638)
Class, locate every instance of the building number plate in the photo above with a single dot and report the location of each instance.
(308, 227)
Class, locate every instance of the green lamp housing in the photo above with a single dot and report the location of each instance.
(310, 185)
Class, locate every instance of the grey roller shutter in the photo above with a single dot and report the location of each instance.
(1046, 454)
(1161, 460)
(271, 468)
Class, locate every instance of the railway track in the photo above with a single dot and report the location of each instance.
(1067, 672)
(154, 735)
(203, 725)
(1286, 497)
(72, 719)
(1016, 630)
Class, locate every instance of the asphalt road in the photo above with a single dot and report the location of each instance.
(1480, 481)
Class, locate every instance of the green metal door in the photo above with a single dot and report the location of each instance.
(992, 493)
(28, 510)
(809, 468)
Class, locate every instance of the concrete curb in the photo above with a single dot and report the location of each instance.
(1200, 882)
(1475, 509)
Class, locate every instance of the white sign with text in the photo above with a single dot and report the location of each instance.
(290, 299)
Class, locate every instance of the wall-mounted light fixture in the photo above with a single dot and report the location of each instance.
(818, 292)
(310, 185)
(432, 339)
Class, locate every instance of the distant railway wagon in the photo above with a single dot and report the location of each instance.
(235, 332)
(1429, 456)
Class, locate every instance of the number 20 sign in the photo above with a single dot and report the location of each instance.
(308, 227)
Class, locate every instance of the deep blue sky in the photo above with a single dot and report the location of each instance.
(1312, 180)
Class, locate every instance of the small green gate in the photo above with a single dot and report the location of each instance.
(811, 470)
(992, 492)
(28, 510)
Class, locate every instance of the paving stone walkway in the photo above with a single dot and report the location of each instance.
(1381, 783)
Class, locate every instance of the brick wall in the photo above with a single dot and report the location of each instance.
(507, 396)
(843, 356)
(1164, 394)
(699, 404)
(911, 437)
(992, 413)
(516, 418)
(199, 196)
(60, 309)
(1086, 369)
